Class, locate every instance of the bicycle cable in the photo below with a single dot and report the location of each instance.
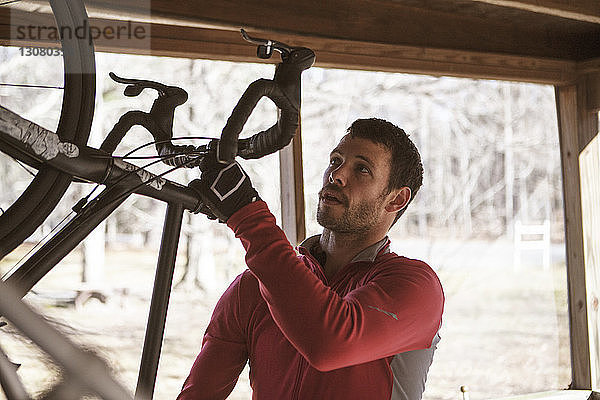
(169, 140)
(30, 172)
(21, 164)
(40, 243)
(85, 201)
(128, 154)
(76, 209)
(144, 183)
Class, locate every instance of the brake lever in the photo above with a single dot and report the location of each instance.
(266, 46)
(159, 121)
(283, 90)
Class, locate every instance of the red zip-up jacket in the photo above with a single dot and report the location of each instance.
(368, 333)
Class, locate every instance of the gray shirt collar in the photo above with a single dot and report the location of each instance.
(368, 254)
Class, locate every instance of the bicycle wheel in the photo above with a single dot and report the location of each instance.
(43, 193)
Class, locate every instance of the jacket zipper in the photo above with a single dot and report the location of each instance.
(296, 388)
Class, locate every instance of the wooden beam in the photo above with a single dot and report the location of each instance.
(566, 98)
(292, 191)
(588, 66)
(386, 22)
(590, 69)
(577, 126)
(593, 91)
(581, 10)
(589, 167)
(225, 44)
(183, 41)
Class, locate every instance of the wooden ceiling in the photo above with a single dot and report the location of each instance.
(546, 41)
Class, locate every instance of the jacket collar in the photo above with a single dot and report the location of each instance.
(369, 254)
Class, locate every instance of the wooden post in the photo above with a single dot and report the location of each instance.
(593, 91)
(578, 124)
(589, 167)
(292, 190)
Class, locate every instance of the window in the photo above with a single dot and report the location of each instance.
(491, 157)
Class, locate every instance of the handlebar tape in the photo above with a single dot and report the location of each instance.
(265, 142)
(284, 91)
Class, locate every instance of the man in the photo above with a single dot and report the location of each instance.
(346, 318)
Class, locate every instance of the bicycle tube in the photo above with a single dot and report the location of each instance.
(44, 192)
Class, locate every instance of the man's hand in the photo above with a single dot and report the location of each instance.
(223, 188)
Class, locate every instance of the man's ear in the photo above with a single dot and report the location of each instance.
(400, 200)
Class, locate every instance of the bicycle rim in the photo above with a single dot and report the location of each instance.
(44, 192)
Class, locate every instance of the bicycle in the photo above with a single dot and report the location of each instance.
(63, 157)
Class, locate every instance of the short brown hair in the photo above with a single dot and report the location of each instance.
(406, 168)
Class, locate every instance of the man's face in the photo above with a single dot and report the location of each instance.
(355, 183)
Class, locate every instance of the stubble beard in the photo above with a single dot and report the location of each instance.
(354, 219)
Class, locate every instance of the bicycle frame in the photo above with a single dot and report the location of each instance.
(121, 178)
(84, 366)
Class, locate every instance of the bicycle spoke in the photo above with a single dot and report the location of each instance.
(9, 2)
(58, 94)
(23, 85)
(30, 172)
(39, 244)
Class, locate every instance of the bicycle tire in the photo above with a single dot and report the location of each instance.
(44, 192)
